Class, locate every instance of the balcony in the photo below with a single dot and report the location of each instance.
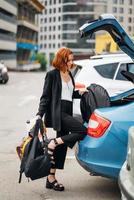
(7, 42)
(7, 23)
(9, 5)
(34, 4)
(23, 21)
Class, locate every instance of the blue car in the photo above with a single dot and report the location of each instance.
(103, 151)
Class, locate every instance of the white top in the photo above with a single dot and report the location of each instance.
(67, 90)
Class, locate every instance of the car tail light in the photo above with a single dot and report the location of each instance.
(79, 85)
(97, 125)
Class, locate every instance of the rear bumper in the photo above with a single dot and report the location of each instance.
(96, 157)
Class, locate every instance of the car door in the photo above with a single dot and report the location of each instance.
(109, 23)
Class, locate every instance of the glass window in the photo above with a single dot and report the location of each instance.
(130, 11)
(121, 1)
(119, 76)
(126, 67)
(114, 10)
(107, 70)
(130, 2)
(121, 10)
(130, 67)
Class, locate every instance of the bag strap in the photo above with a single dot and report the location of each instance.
(36, 128)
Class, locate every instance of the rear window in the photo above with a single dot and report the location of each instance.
(107, 70)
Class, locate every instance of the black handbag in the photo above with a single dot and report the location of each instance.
(36, 162)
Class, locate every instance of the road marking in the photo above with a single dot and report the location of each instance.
(26, 100)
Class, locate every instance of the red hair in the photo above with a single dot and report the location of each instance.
(61, 58)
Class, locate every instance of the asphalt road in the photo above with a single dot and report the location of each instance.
(19, 100)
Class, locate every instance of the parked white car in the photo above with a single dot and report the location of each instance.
(105, 71)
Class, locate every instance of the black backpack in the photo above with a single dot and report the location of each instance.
(96, 97)
(36, 161)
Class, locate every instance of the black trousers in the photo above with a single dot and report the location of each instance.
(72, 131)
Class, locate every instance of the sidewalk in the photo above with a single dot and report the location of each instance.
(78, 183)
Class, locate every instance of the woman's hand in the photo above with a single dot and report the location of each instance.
(82, 91)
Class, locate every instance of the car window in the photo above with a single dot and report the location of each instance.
(130, 67)
(127, 67)
(75, 71)
(107, 70)
(119, 76)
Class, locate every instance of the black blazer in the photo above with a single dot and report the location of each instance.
(50, 101)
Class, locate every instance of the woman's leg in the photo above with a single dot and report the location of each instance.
(70, 124)
(51, 182)
(59, 158)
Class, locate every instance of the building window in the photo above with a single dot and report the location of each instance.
(41, 20)
(50, 10)
(129, 28)
(49, 37)
(49, 45)
(121, 10)
(129, 19)
(53, 28)
(59, 18)
(41, 29)
(130, 2)
(121, 1)
(59, 9)
(53, 36)
(41, 46)
(130, 11)
(53, 45)
(115, 1)
(50, 19)
(54, 19)
(54, 10)
(59, 27)
(49, 28)
(114, 10)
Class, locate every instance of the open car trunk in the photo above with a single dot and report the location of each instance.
(108, 23)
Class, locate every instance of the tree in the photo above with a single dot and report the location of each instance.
(42, 60)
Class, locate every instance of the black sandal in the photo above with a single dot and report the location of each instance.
(54, 185)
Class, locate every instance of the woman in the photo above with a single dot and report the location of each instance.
(56, 104)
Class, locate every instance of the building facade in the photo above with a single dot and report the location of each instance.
(61, 20)
(8, 29)
(27, 34)
(124, 12)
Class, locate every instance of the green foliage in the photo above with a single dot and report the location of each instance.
(42, 60)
